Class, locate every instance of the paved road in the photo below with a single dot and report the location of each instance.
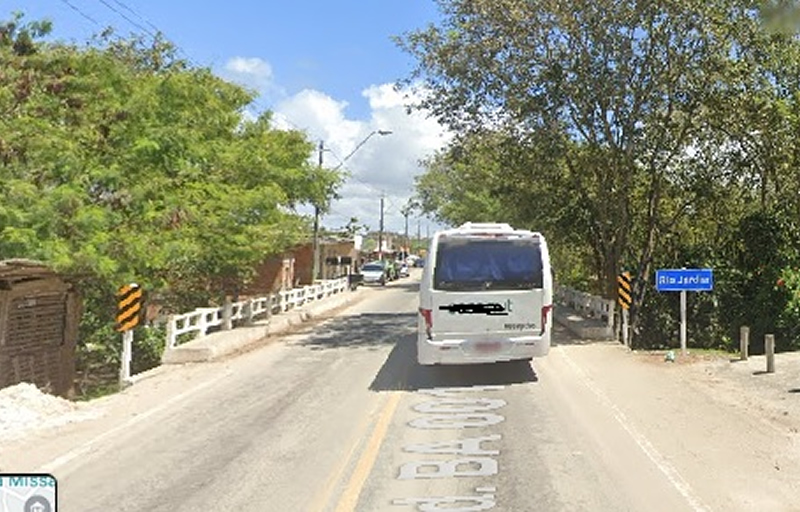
(339, 417)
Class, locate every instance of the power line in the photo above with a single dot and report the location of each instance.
(76, 9)
(145, 20)
(126, 18)
(255, 103)
(153, 35)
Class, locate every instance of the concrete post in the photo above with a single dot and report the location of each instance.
(172, 338)
(744, 342)
(769, 350)
(227, 313)
(202, 325)
(248, 312)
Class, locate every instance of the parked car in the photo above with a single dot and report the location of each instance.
(375, 272)
(403, 271)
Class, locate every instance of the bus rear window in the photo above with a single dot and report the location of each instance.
(488, 264)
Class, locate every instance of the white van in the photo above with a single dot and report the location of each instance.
(486, 295)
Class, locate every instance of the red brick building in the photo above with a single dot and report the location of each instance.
(294, 267)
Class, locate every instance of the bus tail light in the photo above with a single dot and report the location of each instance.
(545, 311)
(427, 315)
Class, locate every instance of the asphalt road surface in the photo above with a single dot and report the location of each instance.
(339, 417)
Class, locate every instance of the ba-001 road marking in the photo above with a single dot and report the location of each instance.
(473, 456)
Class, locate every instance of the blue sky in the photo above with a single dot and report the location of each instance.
(326, 67)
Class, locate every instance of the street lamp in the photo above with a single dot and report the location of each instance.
(358, 146)
(316, 248)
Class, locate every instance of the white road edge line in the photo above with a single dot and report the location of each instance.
(87, 447)
(647, 447)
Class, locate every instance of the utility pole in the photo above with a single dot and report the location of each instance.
(406, 211)
(319, 201)
(408, 243)
(380, 233)
(419, 237)
(315, 244)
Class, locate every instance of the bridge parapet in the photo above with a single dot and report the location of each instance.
(587, 316)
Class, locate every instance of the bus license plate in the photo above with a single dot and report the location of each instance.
(487, 346)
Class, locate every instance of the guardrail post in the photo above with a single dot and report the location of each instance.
(744, 342)
(608, 309)
(247, 311)
(172, 338)
(202, 325)
(227, 313)
(769, 350)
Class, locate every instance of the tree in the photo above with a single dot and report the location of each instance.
(353, 228)
(120, 162)
(610, 97)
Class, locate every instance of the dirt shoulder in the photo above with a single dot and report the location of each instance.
(744, 385)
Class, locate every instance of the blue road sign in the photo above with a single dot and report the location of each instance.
(685, 279)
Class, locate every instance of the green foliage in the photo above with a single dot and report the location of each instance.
(148, 345)
(636, 136)
(119, 162)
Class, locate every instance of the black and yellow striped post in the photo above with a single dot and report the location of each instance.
(129, 307)
(129, 312)
(624, 290)
(624, 295)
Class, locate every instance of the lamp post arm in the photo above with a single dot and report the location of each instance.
(358, 146)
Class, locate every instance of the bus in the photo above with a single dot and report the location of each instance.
(485, 296)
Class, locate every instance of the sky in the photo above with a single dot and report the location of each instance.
(327, 67)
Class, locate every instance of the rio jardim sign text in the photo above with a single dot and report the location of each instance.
(685, 279)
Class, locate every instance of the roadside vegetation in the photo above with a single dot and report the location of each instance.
(122, 162)
(636, 136)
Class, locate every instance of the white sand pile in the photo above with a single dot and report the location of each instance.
(25, 409)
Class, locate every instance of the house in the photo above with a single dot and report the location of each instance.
(338, 257)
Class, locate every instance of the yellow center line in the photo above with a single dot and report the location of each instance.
(324, 496)
(350, 496)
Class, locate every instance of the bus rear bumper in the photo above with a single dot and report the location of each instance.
(480, 348)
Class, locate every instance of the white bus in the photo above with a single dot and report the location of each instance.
(486, 295)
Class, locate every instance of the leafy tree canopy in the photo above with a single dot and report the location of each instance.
(120, 161)
(629, 130)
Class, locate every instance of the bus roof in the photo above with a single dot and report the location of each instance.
(489, 230)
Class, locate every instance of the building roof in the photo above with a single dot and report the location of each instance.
(17, 269)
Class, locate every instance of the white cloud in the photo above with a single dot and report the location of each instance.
(381, 165)
(251, 72)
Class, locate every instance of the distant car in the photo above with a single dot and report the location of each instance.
(403, 270)
(374, 272)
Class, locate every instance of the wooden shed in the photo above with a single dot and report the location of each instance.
(39, 316)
